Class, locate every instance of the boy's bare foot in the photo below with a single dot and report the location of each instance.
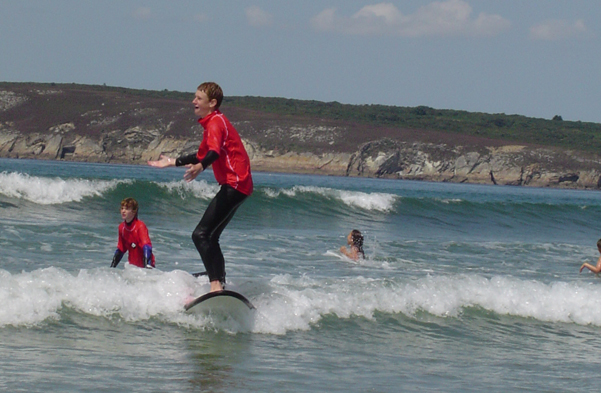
(216, 286)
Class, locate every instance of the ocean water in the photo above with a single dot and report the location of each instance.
(464, 288)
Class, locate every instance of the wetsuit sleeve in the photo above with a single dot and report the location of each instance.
(185, 160)
(144, 241)
(147, 255)
(120, 246)
(210, 158)
(117, 257)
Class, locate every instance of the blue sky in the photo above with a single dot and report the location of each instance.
(537, 58)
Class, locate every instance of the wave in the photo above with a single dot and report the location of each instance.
(307, 200)
(51, 191)
(285, 303)
(198, 189)
(303, 301)
(376, 201)
(55, 190)
(133, 294)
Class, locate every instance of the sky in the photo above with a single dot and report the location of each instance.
(537, 58)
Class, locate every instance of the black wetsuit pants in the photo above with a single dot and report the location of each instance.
(206, 235)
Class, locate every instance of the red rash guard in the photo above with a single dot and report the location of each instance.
(233, 165)
(132, 238)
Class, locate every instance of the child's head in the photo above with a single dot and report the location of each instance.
(357, 238)
(130, 203)
(213, 91)
(129, 209)
(599, 245)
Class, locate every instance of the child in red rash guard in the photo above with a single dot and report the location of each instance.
(221, 147)
(133, 237)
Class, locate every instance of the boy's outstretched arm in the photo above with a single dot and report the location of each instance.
(163, 162)
(193, 171)
(196, 168)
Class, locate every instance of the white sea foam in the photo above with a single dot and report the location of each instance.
(297, 303)
(369, 201)
(199, 189)
(49, 191)
(132, 294)
(451, 200)
(363, 262)
(285, 303)
(271, 193)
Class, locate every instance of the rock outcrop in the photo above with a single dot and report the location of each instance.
(96, 126)
(506, 165)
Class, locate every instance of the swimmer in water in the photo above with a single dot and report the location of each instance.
(355, 243)
(594, 269)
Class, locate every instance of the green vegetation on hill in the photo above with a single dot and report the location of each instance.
(515, 128)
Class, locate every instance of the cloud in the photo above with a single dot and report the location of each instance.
(439, 18)
(554, 30)
(256, 17)
(142, 13)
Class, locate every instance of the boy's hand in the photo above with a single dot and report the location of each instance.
(193, 171)
(163, 162)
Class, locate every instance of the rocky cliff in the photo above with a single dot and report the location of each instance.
(65, 122)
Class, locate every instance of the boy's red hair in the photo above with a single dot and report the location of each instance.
(130, 203)
(213, 91)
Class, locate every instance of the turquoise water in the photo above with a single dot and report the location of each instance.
(465, 288)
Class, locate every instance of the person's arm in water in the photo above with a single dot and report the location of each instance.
(117, 257)
(594, 269)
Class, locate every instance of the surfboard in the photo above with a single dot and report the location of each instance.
(225, 293)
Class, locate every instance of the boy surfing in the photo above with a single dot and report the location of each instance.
(221, 147)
